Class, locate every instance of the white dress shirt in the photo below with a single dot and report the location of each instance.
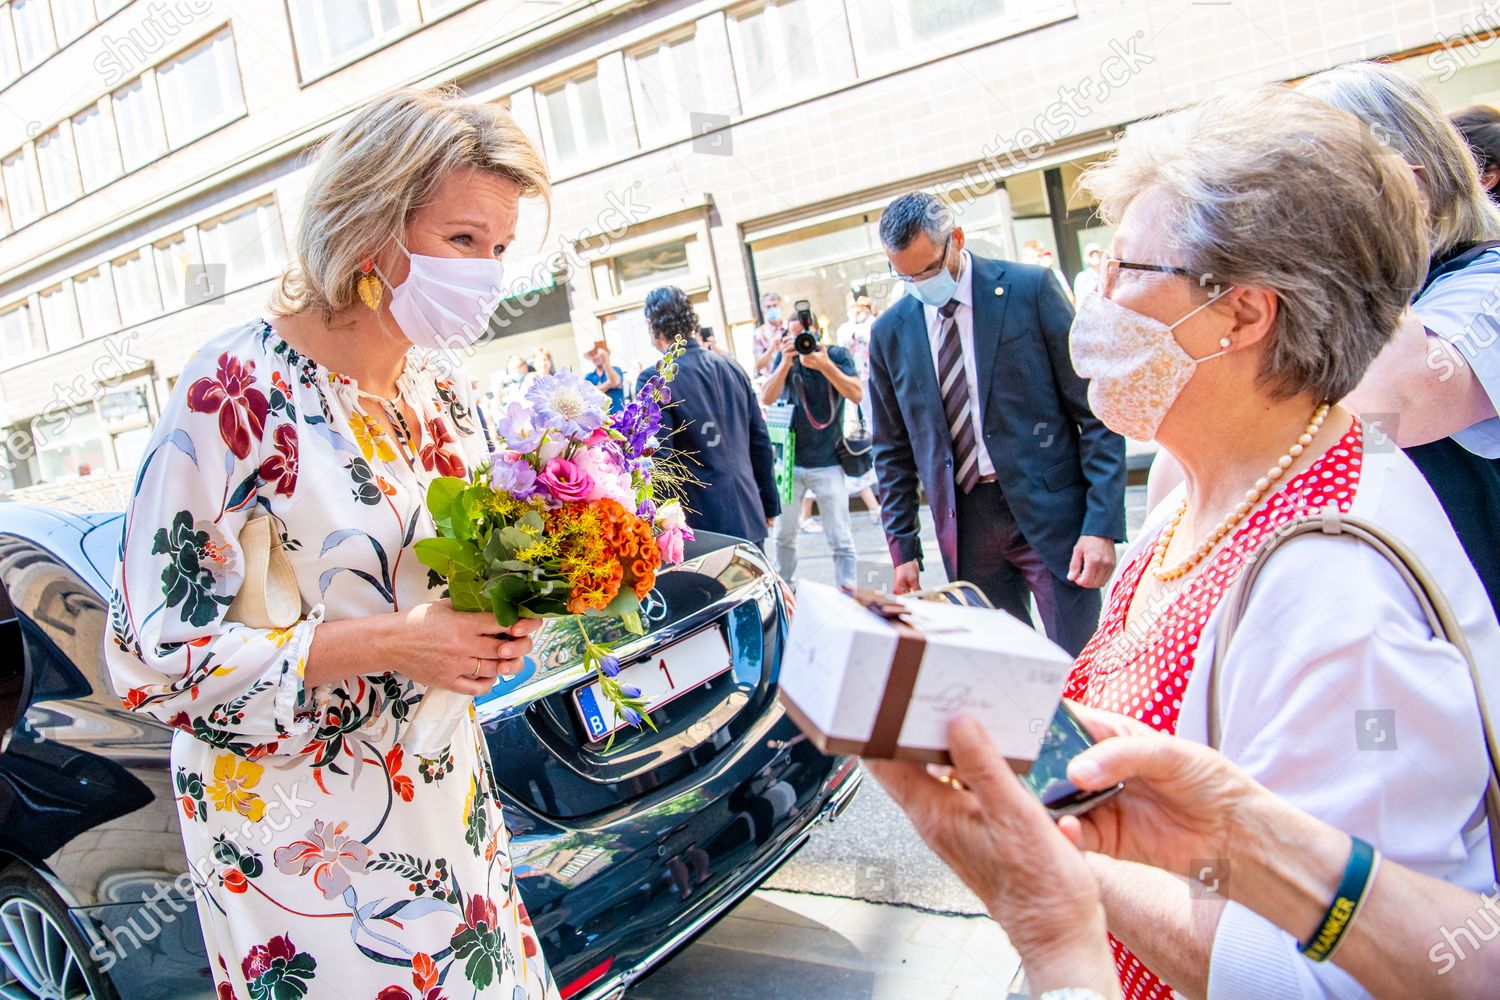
(964, 317)
(1331, 630)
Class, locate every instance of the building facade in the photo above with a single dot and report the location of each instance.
(153, 155)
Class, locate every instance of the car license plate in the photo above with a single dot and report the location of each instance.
(667, 674)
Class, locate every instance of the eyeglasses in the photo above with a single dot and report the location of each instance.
(929, 271)
(1112, 267)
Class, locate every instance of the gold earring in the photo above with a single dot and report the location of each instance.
(369, 287)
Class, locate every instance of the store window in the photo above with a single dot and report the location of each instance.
(330, 32)
(70, 443)
(97, 312)
(773, 52)
(33, 27)
(136, 287)
(573, 124)
(126, 413)
(60, 316)
(138, 121)
(886, 30)
(59, 168)
(98, 159)
(666, 85)
(652, 267)
(247, 242)
(21, 335)
(200, 90)
(23, 190)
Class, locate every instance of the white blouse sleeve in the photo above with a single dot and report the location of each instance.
(1338, 698)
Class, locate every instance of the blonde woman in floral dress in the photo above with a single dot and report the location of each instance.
(329, 862)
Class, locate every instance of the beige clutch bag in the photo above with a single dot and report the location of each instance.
(268, 596)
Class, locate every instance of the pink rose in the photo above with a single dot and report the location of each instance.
(669, 543)
(599, 436)
(566, 481)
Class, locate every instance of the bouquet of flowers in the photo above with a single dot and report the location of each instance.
(564, 520)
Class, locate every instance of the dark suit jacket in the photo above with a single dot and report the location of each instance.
(1062, 470)
(715, 430)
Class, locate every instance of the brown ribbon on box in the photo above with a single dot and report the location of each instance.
(906, 663)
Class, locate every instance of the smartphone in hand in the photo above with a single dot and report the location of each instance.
(1066, 738)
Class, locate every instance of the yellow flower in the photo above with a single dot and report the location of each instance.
(230, 789)
(279, 636)
(370, 436)
(469, 799)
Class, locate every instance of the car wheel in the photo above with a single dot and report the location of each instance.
(42, 954)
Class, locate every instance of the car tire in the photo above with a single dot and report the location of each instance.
(42, 952)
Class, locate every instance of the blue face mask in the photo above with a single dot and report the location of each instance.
(936, 290)
(773, 314)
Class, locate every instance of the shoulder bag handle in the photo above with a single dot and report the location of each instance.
(1435, 606)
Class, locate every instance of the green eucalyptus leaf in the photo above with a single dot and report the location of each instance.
(441, 496)
(449, 556)
(466, 591)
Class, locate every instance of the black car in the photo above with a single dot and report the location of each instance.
(625, 852)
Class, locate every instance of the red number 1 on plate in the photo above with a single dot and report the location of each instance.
(664, 670)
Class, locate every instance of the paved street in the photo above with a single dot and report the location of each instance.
(865, 911)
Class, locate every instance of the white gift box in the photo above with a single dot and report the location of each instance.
(857, 681)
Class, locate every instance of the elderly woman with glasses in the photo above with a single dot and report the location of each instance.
(1265, 247)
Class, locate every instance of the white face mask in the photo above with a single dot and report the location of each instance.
(1135, 367)
(446, 302)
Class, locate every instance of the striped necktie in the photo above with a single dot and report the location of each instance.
(955, 385)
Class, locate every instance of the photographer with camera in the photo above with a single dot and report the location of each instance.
(816, 379)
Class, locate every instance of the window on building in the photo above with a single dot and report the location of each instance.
(666, 85)
(200, 90)
(60, 317)
(138, 121)
(108, 7)
(886, 28)
(247, 242)
(651, 267)
(94, 140)
(98, 313)
(136, 287)
(10, 65)
(432, 8)
(773, 51)
(59, 168)
(71, 18)
(174, 255)
(20, 335)
(23, 191)
(573, 120)
(329, 32)
(70, 443)
(33, 27)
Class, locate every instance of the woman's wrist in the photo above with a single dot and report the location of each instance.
(1077, 956)
(1292, 864)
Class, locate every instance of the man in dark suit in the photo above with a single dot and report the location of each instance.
(976, 401)
(715, 427)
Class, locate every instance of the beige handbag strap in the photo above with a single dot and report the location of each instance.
(1429, 595)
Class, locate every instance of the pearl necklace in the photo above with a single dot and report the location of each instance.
(1241, 511)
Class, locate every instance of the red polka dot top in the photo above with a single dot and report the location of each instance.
(1142, 672)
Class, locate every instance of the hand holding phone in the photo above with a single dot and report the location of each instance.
(1048, 779)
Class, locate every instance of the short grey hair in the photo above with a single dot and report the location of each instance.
(910, 214)
(1274, 189)
(1405, 115)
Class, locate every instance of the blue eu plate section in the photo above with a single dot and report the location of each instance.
(593, 718)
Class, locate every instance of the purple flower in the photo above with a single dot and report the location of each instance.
(629, 691)
(610, 664)
(517, 428)
(568, 404)
(646, 511)
(512, 474)
(631, 716)
(566, 481)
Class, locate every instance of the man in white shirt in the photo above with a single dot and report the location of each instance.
(976, 401)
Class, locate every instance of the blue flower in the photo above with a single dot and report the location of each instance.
(610, 664)
(568, 404)
(630, 691)
(631, 716)
(517, 428)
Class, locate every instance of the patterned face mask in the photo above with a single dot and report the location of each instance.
(1135, 367)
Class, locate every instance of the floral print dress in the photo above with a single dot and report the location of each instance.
(328, 862)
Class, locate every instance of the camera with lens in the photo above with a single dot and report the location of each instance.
(806, 342)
